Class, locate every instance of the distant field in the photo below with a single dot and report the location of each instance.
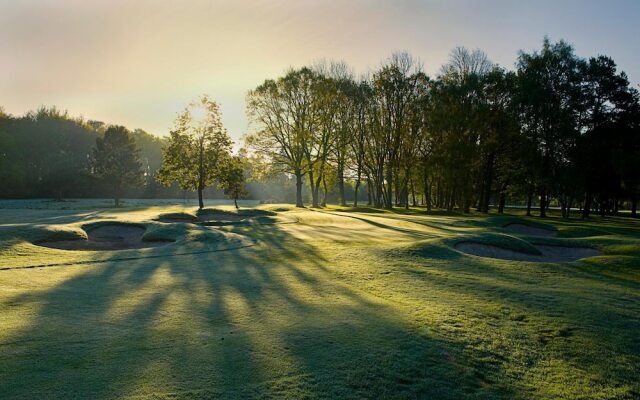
(331, 303)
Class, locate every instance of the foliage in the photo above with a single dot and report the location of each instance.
(233, 179)
(116, 161)
(197, 149)
(558, 129)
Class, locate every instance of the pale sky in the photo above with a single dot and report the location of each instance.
(137, 63)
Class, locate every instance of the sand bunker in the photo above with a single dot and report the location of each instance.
(549, 253)
(113, 236)
(530, 230)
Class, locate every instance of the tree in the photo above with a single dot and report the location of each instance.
(233, 180)
(116, 161)
(550, 97)
(197, 149)
(359, 97)
(607, 152)
(395, 89)
(283, 112)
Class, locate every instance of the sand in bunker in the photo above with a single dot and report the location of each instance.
(107, 237)
(529, 230)
(549, 253)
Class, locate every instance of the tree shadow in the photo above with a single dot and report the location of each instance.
(272, 320)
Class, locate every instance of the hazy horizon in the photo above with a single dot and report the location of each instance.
(139, 64)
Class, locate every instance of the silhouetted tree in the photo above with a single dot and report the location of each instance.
(550, 100)
(116, 161)
(232, 180)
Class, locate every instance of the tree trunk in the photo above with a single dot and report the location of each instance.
(343, 201)
(312, 184)
(501, 202)
(587, 206)
(529, 202)
(299, 189)
(389, 190)
(116, 197)
(324, 193)
(235, 202)
(201, 174)
(485, 194)
(200, 202)
(543, 203)
(413, 194)
(355, 193)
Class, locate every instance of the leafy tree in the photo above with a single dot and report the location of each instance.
(283, 112)
(116, 160)
(233, 179)
(197, 149)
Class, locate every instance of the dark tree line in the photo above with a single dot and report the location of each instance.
(558, 130)
(48, 154)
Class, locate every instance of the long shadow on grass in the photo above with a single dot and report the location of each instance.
(557, 310)
(381, 225)
(268, 321)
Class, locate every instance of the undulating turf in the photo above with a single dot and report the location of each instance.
(332, 303)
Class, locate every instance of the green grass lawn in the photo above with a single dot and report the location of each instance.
(333, 303)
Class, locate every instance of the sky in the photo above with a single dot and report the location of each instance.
(138, 63)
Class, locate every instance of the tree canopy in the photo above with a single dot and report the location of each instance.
(116, 160)
(197, 149)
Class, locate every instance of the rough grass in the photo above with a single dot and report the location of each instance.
(339, 304)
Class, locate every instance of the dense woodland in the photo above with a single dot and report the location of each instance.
(557, 130)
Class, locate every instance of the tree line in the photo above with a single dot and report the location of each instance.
(556, 130)
(46, 153)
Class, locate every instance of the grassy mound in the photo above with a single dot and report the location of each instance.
(580, 231)
(177, 217)
(504, 220)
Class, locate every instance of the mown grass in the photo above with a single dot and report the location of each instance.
(331, 304)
